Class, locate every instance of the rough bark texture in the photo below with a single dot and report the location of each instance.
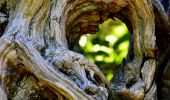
(36, 39)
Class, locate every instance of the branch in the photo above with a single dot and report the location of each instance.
(46, 72)
(29, 59)
(51, 76)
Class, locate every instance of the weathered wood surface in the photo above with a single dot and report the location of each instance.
(36, 61)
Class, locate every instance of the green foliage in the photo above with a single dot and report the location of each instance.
(107, 47)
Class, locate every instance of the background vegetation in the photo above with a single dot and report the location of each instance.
(108, 47)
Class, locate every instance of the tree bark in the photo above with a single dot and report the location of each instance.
(37, 61)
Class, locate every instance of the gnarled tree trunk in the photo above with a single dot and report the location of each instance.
(37, 36)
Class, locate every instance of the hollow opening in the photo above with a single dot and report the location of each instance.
(108, 47)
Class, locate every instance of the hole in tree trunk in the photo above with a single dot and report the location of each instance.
(108, 47)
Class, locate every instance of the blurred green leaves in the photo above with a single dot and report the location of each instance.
(107, 47)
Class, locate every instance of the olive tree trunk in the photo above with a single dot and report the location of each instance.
(37, 61)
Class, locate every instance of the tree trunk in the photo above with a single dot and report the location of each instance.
(37, 36)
